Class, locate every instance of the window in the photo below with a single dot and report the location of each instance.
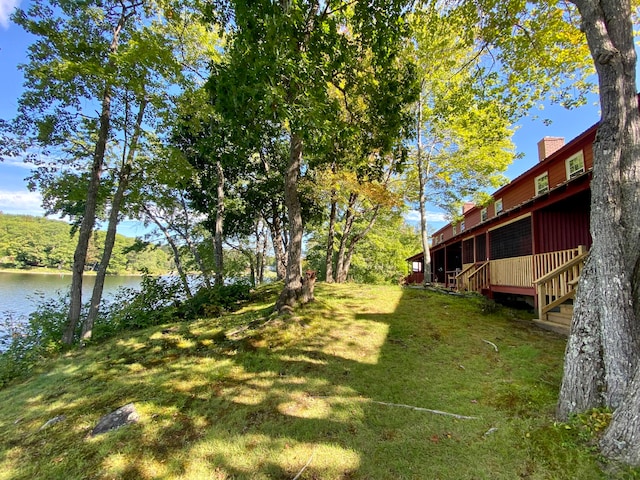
(575, 165)
(417, 266)
(453, 229)
(483, 215)
(462, 226)
(498, 206)
(441, 237)
(542, 184)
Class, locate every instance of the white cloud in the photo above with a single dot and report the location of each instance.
(18, 162)
(432, 217)
(6, 9)
(21, 203)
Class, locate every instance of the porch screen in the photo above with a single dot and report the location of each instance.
(513, 240)
(481, 247)
(467, 251)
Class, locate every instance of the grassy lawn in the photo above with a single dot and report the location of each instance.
(320, 395)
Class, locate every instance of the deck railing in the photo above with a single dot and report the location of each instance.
(512, 272)
(559, 285)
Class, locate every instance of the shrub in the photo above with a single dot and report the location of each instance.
(27, 343)
(157, 301)
(211, 302)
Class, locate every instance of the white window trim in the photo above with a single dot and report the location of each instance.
(539, 177)
(574, 174)
(495, 205)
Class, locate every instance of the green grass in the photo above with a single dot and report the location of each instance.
(219, 400)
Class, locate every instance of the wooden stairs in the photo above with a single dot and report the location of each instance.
(556, 291)
(558, 319)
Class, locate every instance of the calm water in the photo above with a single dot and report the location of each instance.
(21, 292)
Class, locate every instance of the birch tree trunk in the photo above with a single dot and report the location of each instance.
(219, 227)
(349, 218)
(279, 247)
(331, 239)
(174, 249)
(423, 175)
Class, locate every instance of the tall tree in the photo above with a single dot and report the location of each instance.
(73, 61)
(602, 364)
(282, 59)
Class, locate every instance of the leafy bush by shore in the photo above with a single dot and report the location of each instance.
(24, 344)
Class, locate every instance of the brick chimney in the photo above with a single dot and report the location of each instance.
(549, 145)
(467, 206)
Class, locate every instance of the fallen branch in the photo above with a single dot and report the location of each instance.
(420, 409)
(495, 347)
(305, 467)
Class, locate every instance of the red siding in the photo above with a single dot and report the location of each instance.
(563, 225)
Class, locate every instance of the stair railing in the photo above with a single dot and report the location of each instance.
(559, 285)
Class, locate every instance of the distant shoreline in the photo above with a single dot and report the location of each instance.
(51, 271)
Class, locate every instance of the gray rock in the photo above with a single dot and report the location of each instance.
(116, 419)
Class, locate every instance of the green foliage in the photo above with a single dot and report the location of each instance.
(211, 302)
(157, 301)
(380, 257)
(29, 343)
(34, 242)
(588, 425)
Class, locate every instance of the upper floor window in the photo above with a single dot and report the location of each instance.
(441, 237)
(453, 229)
(498, 206)
(462, 226)
(483, 215)
(575, 165)
(542, 183)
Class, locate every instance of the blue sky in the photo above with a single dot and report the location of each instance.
(16, 199)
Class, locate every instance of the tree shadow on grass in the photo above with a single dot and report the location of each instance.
(266, 402)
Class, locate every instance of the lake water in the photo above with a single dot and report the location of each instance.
(21, 292)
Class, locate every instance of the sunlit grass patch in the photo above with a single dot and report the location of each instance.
(320, 393)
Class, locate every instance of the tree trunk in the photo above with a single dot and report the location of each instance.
(89, 216)
(260, 250)
(277, 241)
(88, 221)
(349, 218)
(583, 380)
(614, 268)
(174, 248)
(422, 180)
(292, 283)
(346, 264)
(331, 239)
(219, 226)
(116, 205)
(96, 297)
(183, 229)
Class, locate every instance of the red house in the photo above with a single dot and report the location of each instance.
(529, 243)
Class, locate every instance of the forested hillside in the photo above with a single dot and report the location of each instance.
(38, 242)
